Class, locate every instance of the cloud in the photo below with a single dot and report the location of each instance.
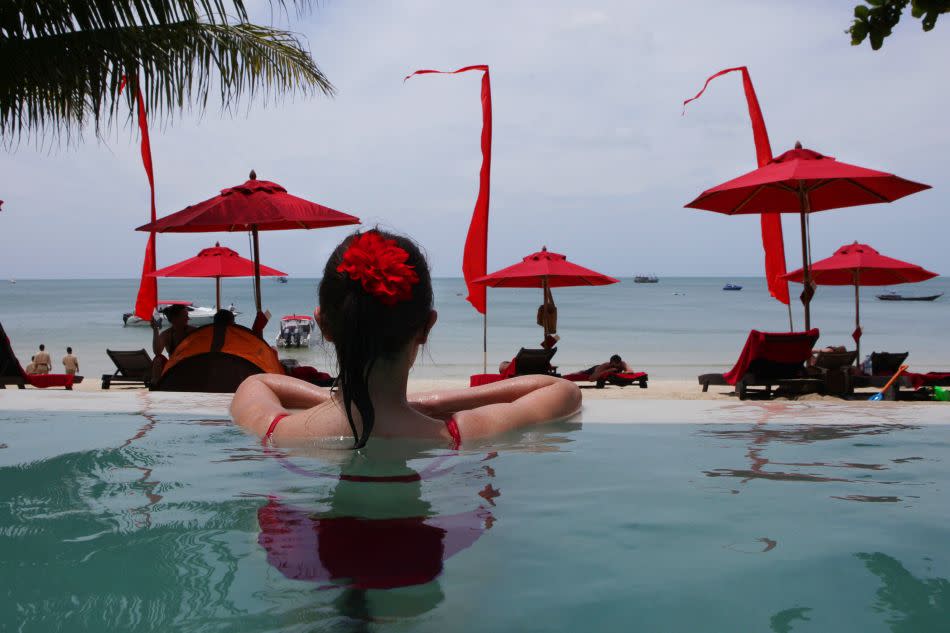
(591, 152)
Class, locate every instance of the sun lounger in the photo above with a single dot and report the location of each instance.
(11, 372)
(618, 379)
(132, 368)
(769, 359)
(527, 362)
(835, 369)
(884, 365)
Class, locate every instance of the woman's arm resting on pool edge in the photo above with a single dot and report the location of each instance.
(540, 399)
(260, 398)
(444, 404)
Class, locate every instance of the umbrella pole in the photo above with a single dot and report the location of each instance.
(806, 272)
(791, 326)
(857, 317)
(485, 341)
(257, 270)
(217, 292)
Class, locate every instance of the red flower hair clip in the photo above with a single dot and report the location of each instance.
(380, 266)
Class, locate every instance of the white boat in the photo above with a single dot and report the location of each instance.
(197, 315)
(295, 331)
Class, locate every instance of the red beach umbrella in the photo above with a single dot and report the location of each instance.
(860, 265)
(545, 270)
(217, 261)
(256, 205)
(804, 181)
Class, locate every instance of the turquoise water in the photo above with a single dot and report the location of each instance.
(677, 328)
(119, 522)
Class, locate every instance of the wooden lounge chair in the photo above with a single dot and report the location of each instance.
(132, 367)
(835, 371)
(884, 365)
(525, 363)
(769, 359)
(11, 372)
(528, 362)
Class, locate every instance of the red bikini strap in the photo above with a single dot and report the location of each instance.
(272, 427)
(453, 428)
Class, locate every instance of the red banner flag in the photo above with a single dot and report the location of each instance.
(772, 240)
(475, 258)
(147, 299)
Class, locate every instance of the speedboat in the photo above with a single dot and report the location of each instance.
(732, 287)
(281, 279)
(646, 279)
(197, 315)
(296, 330)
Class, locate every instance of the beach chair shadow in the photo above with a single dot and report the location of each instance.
(132, 368)
(769, 359)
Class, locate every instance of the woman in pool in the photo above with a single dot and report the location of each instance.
(376, 310)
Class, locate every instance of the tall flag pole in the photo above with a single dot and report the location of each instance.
(147, 299)
(772, 240)
(475, 258)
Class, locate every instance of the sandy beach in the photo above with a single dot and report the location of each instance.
(669, 390)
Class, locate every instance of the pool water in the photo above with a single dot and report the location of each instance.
(122, 522)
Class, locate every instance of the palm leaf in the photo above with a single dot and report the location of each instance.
(64, 60)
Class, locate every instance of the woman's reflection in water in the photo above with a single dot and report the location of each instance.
(377, 532)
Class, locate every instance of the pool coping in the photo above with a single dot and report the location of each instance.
(594, 412)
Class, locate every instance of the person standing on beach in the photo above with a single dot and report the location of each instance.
(168, 340)
(70, 362)
(547, 313)
(42, 362)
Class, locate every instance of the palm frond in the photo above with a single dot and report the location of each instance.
(68, 80)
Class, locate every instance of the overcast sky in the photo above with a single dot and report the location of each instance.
(591, 156)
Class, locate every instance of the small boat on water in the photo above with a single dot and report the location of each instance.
(295, 331)
(646, 279)
(280, 280)
(197, 315)
(732, 287)
(893, 296)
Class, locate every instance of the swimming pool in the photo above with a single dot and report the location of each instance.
(736, 518)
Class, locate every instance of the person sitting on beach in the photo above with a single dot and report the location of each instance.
(70, 362)
(168, 340)
(376, 310)
(42, 363)
(613, 366)
(31, 367)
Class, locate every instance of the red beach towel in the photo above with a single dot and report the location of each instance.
(778, 347)
(930, 378)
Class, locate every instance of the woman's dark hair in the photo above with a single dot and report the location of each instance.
(615, 358)
(363, 329)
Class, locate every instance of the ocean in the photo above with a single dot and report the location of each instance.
(676, 329)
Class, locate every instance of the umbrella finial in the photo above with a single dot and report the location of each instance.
(253, 175)
(217, 244)
(544, 249)
(798, 144)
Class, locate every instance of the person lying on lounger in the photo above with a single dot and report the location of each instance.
(613, 366)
